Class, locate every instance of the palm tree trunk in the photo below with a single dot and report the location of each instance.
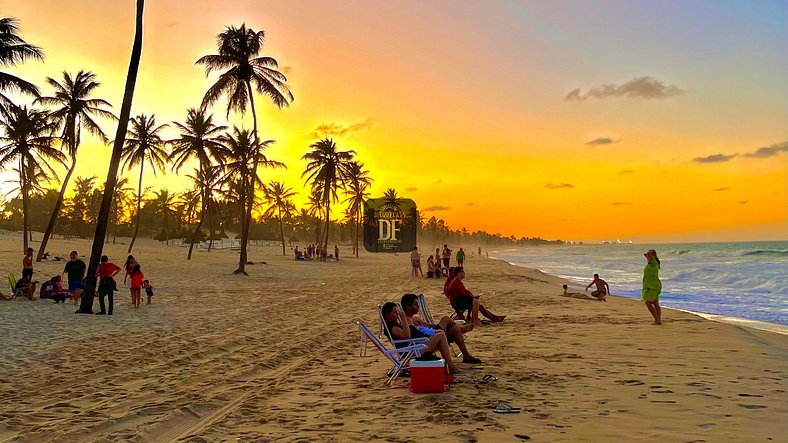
(358, 218)
(281, 231)
(56, 210)
(328, 218)
(210, 220)
(25, 202)
(139, 206)
(199, 225)
(248, 210)
(86, 306)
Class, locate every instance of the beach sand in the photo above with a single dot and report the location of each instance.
(275, 357)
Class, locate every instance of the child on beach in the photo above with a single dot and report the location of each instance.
(148, 290)
(137, 277)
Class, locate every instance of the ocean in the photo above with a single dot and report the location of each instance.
(745, 283)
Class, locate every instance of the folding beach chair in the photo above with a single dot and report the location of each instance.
(424, 311)
(400, 357)
(394, 342)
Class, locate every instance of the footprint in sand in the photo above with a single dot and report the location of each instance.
(746, 406)
(750, 395)
(630, 382)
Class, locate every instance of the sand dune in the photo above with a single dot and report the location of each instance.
(275, 357)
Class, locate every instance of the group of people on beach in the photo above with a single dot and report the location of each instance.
(75, 270)
(650, 291)
(438, 264)
(318, 252)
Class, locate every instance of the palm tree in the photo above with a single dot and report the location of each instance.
(206, 182)
(315, 210)
(86, 305)
(358, 181)
(327, 170)
(14, 50)
(73, 110)
(278, 196)
(238, 50)
(392, 199)
(27, 141)
(143, 143)
(120, 199)
(199, 139)
(162, 203)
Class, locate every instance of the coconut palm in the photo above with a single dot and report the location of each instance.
(14, 50)
(206, 183)
(392, 199)
(143, 144)
(199, 139)
(161, 204)
(28, 143)
(358, 181)
(120, 200)
(86, 305)
(326, 172)
(278, 197)
(238, 50)
(73, 111)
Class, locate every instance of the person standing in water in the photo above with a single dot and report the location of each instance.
(652, 286)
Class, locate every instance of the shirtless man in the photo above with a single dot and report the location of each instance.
(602, 288)
(415, 262)
(27, 264)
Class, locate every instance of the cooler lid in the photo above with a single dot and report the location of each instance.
(427, 364)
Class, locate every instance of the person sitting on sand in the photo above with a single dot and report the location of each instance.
(454, 332)
(398, 324)
(464, 299)
(59, 294)
(602, 289)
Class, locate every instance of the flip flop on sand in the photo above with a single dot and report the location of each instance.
(505, 408)
(488, 378)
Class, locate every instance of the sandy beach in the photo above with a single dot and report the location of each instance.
(275, 357)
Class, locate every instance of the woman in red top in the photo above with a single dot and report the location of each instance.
(136, 285)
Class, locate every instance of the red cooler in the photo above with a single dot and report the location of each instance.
(426, 376)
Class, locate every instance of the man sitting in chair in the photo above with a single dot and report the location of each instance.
(398, 323)
(464, 299)
(25, 288)
(454, 332)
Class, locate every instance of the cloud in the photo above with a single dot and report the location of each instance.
(412, 189)
(640, 87)
(622, 203)
(470, 204)
(436, 208)
(599, 141)
(743, 202)
(720, 189)
(715, 158)
(627, 171)
(440, 180)
(559, 186)
(338, 129)
(286, 69)
(768, 151)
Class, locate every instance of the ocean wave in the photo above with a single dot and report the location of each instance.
(772, 252)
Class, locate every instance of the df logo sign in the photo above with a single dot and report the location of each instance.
(390, 225)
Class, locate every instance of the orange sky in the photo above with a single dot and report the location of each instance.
(462, 107)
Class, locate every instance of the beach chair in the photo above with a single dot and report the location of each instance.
(400, 357)
(393, 342)
(424, 311)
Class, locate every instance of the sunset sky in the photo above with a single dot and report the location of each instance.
(578, 120)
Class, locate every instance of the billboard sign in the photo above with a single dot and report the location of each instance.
(390, 225)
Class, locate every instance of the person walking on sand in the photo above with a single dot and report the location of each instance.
(106, 288)
(602, 288)
(336, 252)
(137, 277)
(652, 287)
(128, 267)
(460, 257)
(75, 270)
(27, 264)
(415, 262)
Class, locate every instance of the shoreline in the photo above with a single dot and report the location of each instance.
(759, 325)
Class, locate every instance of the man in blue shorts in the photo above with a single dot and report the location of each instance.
(75, 269)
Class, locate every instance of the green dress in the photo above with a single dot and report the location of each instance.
(651, 284)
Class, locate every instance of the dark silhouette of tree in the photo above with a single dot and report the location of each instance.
(143, 144)
(278, 197)
(326, 172)
(86, 304)
(73, 111)
(27, 142)
(358, 181)
(13, 51)
(238, 50)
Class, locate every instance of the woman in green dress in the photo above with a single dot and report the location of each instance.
(652, 286)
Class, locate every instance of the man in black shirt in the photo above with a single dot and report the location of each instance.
(75, 269)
